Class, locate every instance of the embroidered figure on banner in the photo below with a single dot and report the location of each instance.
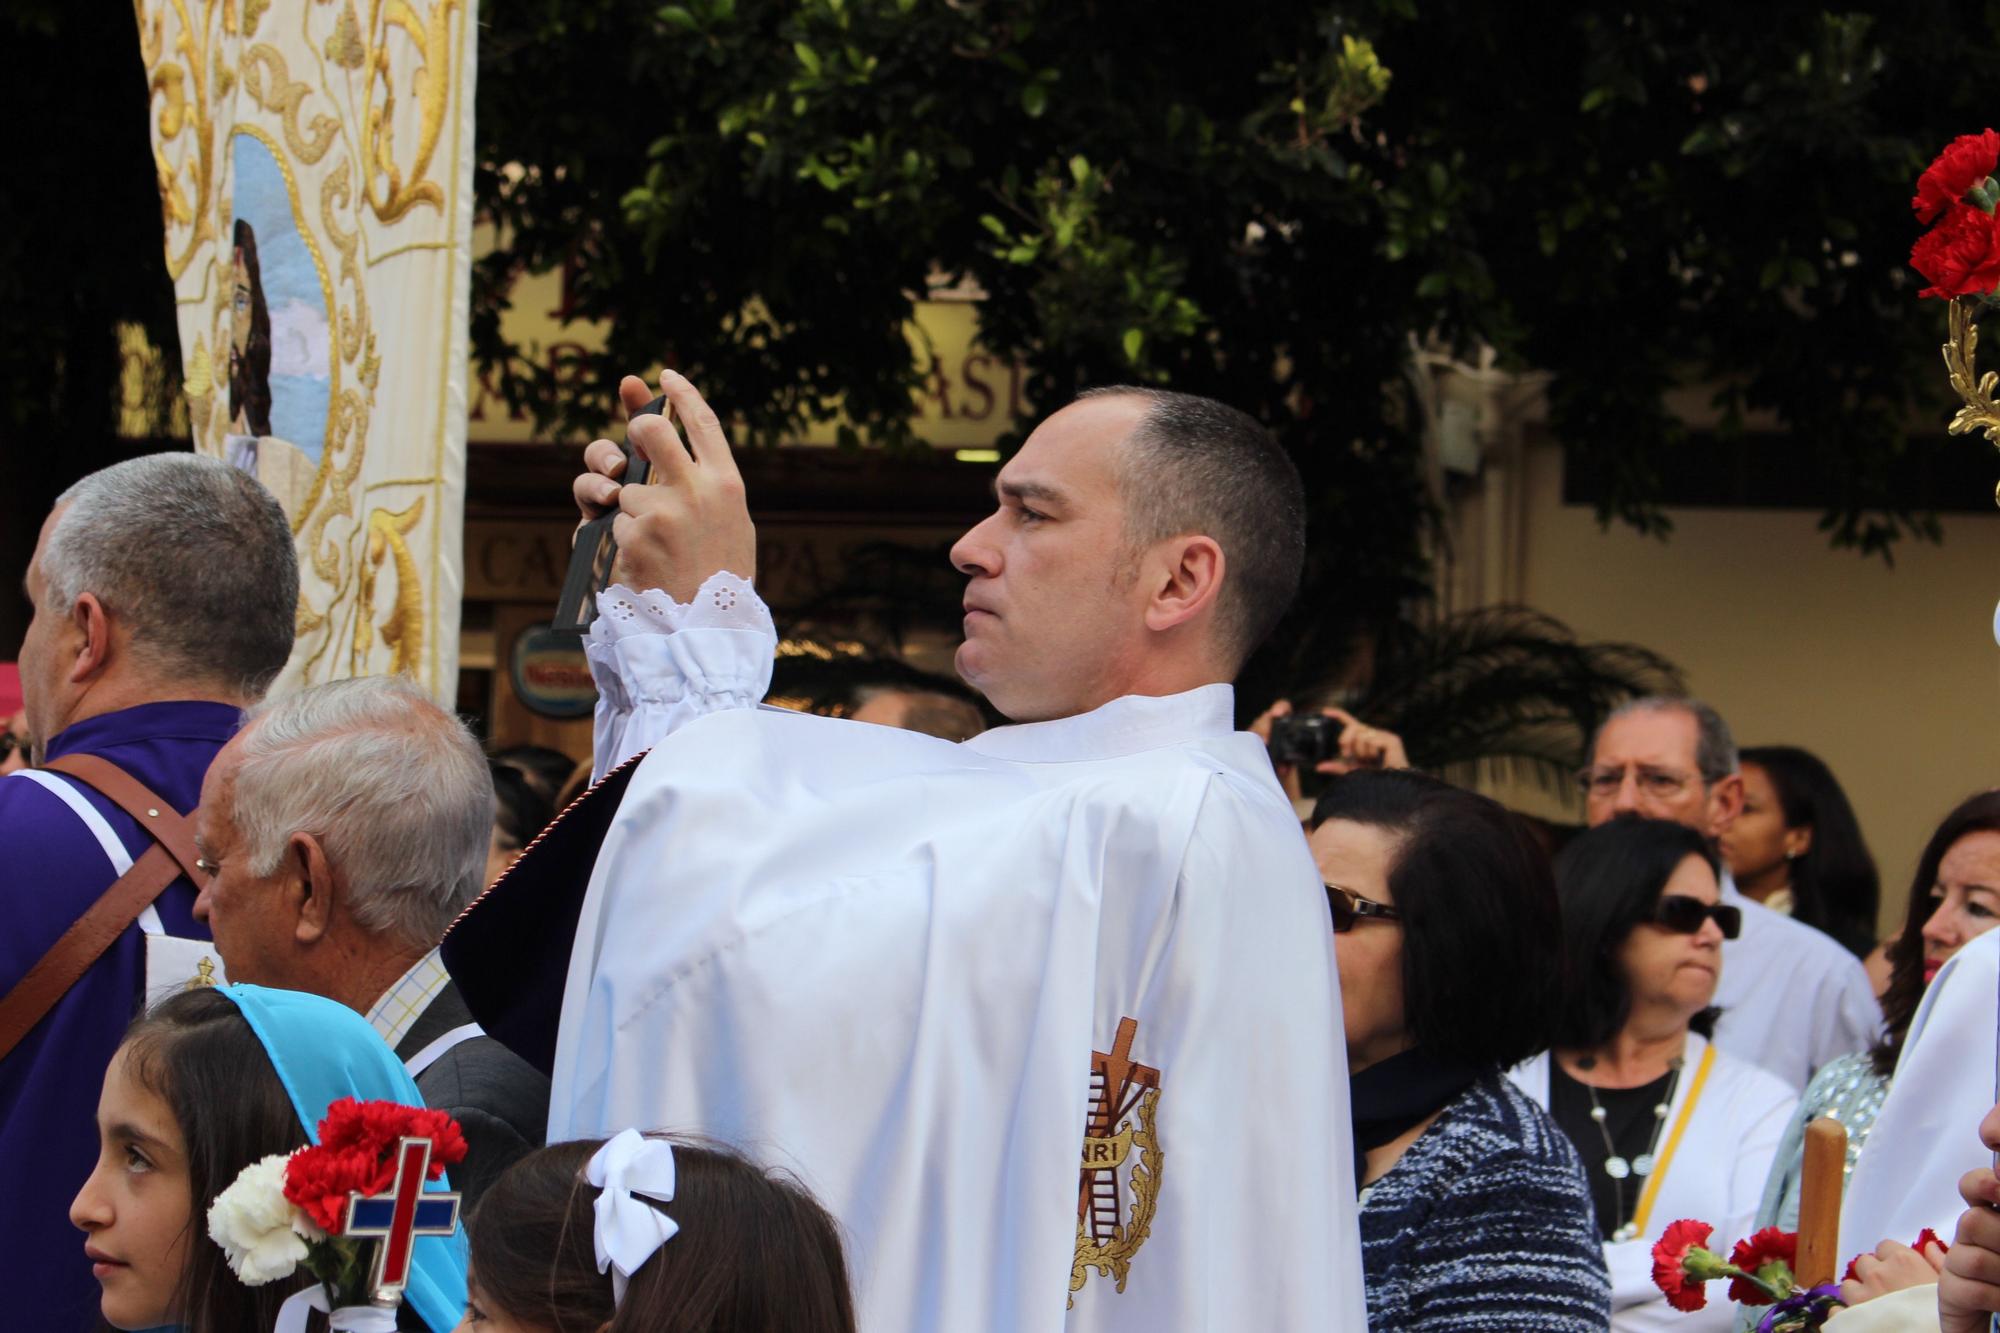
(1119, 1184)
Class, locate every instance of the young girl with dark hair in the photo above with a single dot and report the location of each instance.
(1667, 1125)
(1797, 848)
(205, 1084)
(642, 1233)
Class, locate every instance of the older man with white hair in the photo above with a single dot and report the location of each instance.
(343, 828)
(164, 592)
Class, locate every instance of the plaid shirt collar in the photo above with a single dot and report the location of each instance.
(403, 1003)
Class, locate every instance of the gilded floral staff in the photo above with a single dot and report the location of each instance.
(1960, 257)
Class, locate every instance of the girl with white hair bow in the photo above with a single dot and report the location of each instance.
(645, 1232)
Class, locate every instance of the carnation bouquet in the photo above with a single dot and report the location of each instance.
(1761, 1271)
(1960, 258)
(346, 1208)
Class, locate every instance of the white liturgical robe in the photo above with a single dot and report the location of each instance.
(1792, 997)
(1927, 1133)
(1048, 1020)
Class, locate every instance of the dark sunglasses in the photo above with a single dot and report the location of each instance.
(1683, 915)
(1350, 907)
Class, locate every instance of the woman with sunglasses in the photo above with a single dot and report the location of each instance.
(1668, 1126)
(1474, 1210)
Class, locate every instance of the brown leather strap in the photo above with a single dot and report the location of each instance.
(83, 944)
(161, 821)
(171, 855)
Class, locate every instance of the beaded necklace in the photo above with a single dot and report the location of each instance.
(1616, 1165)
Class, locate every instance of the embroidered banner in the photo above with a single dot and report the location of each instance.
(315, 173)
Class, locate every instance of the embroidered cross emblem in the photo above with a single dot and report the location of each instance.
(399, 1216)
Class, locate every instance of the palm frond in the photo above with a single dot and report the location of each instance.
(1502, 692)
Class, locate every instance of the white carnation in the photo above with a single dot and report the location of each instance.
(261, 1234)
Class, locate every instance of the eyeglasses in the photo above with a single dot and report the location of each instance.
(1350, 907)
(1655, 782)
(1683, 915)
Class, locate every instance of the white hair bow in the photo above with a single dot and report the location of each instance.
(629, 1170)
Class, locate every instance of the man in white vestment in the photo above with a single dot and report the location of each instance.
(1792, 997)
(1048, 1018)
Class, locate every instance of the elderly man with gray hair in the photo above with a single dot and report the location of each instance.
(344, 827)
(1792, 998)
(164, 592)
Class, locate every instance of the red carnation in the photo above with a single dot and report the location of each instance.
(319, 1179)
(1929, 1237)
(1671, 1253)
(1770, 1248)
(375, 1128)
(1967, 161)
(356, 1152)
(1961, 255)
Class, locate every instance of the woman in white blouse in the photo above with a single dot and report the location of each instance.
(1668, 1126)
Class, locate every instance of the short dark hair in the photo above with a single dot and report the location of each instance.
(1975, 814)
(1835, 887)
(545, 769)
(520, 808)
(754, 1251)
(1609, 880)
(1482, 940)
(197, 1052)
(1196, 465)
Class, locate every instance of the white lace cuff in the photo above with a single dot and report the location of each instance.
(658, 663)
(724, 601)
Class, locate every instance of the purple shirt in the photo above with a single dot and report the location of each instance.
(51, 870)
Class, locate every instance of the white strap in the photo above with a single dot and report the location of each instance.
(348, 1319)
(100, 828)
(430, 1054)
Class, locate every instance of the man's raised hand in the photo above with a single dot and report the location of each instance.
(690, 518)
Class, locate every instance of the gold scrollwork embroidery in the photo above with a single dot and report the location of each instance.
(1113, 1257)
(351, 100)
(1118, 1184)
(403, 631)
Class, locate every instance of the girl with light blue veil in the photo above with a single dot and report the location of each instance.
(207, 1083)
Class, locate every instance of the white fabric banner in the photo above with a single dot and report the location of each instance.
(315, 174)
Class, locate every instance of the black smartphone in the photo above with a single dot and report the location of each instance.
(594, 548)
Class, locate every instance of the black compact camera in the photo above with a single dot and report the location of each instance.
(1305, 741)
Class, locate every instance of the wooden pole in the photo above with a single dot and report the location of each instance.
(1820, 1187)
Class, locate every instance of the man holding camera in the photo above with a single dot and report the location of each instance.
(1049, 1018)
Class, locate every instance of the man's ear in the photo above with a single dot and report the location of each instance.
(1725, 802)
(92, 626)
(1186, 582)
(312, 885)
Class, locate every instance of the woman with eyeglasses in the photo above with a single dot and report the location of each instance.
(1474, 1209)
(1668, 1126)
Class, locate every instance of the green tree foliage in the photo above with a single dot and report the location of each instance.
(1260, 204)
(1689, 193)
